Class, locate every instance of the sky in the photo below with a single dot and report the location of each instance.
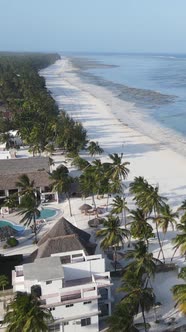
(93, 25)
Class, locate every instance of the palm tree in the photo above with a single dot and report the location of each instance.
(143, 263)
(139, 227)
(29, 209)
(25, 185)
(137, 187)
(3, 281)
(149, 200)
(183, 205)
(62, 182)
(94, 148)
(59, 176)
(179, 292)
(117, 169)
(112, 235)
(80, 163)
(122, 319)
(119, 206)
(166, 217)
(24, 313)
(137, 294)
(180, 239)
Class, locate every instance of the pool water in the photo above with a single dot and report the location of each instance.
(18, 228)
(47, 213)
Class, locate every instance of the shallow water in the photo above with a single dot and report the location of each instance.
(156, 83)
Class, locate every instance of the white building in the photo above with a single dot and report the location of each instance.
(73, 286)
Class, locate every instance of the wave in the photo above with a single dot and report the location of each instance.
(141, 97)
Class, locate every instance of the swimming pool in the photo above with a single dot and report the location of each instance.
(47, 213)
(17, 228)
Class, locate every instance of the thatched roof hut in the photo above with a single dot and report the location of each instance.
(62, 228)
(63, 244)
(95, 222)
(85, 207)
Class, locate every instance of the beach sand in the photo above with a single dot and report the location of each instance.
(156, 153)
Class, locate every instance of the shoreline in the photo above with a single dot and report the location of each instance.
(161, 160)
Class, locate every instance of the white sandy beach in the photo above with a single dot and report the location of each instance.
(153, 152)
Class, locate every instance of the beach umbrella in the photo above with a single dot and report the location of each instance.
(95, 222)
(85, 207)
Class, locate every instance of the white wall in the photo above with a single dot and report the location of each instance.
(74, 327)
(78, 309)
(83, 269)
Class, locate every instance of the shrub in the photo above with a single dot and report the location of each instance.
(5, 246)
(12, 242)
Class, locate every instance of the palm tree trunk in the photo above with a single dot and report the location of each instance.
(144, 320)
(174, 254)
(35, 228)
(68, 198)
(158, 236)
(93, 201)
(162, 245)
(115, 261)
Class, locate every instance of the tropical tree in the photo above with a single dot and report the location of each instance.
(143, 263)
(119, 206)
(149, 200)
(183, 205)
(118, 170)
(180, 240)
(80, 163)
(3, 281)
(62, 182)
(29, 209)
(179, 292)
(25, 314)
(26, 186)
(137, 294)
(167, 217)
(139, 227)
(122, 319)
(94, 148)
(112, 235)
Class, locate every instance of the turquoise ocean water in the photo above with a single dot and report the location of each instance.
(154, 82)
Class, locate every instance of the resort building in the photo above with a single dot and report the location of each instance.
(37, 169)
(73, 286)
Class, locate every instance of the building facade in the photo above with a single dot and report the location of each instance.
(74, 287)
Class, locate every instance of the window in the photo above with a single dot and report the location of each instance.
(85, 322)
(69, 305)
(51, 309)
(66, 323)
(48, 282)
(87, 302)
(54, 328)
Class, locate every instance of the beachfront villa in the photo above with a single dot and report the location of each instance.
(73, 286)
(37, 169)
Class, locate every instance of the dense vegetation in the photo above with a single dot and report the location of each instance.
(26, 105)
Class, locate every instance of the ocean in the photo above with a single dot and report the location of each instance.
(156, 83)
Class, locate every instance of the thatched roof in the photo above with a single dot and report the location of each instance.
(37, 169)
(40, 178)
(24, 165)
(95, 222)
(63, 244)
(85, 207)
(62, 228)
